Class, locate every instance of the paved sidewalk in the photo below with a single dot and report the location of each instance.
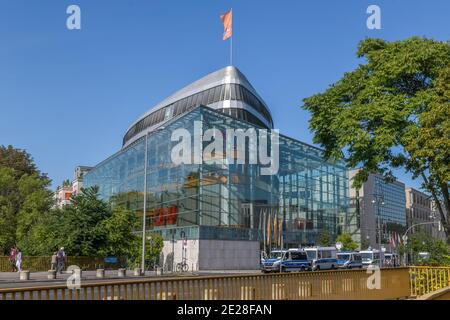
(11, 279)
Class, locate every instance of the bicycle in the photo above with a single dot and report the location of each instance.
(182, 267)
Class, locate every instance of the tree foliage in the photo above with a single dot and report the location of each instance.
(324, 238)
(88, 226)
(393, 111)
(439, 251)
(348, 244)
(24, 196)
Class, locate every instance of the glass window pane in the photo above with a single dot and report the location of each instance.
(238, 92)
(227, 92)
(217, 94)
(222, 92)
(204, 98)
(233, 91)
(210, 95)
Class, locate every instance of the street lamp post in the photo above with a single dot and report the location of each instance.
(144, 212)
(378, 200)
(150, 240)
(173, 232)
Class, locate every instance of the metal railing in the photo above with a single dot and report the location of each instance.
(323, 285)
(424, 280)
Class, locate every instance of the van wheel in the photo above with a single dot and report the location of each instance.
(302, 269)
(332, 267)
(317, 268)
(283, 269)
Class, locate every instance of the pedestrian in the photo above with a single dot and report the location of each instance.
(19, 260)
(54, 261)
(61, 260)
(12, 258)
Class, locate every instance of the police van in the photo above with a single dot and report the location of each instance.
(271, 263)
(349, 260)
(372, 257)
(286, 261)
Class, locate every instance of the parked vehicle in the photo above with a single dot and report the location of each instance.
(315, 253)
(295, 260)
(271, 263)
(371, 257)
(286, 261)
(325, 264)
(391, 260)
(349, 260)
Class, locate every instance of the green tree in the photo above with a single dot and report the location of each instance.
(120, 237)
(46, 235)
(24, 196)
(83, 224)
(19, 160)
(37, 200)
(323, 238)
(390, 112)
(153, 249)
(8, 208)
(348, 244)
(439, 251)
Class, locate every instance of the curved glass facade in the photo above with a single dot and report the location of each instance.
(234, 92)
(226, 201)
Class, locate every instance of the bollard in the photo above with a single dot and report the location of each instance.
(24, 275)
(51, 274)
(122, 273)
(137, 272)
(100, 273)
(159, 271)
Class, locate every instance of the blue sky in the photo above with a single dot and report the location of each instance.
(68, 96)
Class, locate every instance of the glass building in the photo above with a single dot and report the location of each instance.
(380, 209)
(222, 210)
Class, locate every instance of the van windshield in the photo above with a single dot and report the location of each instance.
(366, 256)
(312, 254)
(343, 256)
(276, 255)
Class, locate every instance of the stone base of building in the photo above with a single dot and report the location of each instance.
(211, 255)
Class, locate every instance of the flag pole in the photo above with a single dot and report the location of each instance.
(231, 43)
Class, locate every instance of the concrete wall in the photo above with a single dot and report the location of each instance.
(229, 255)
(212, 255)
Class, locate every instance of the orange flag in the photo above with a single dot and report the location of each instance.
(227, 20)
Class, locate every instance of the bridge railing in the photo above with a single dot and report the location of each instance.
(322, 285)
(424, 280)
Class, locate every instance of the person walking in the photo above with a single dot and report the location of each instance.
(54, 262)
(12, 258)
(19, 260)
(61, 260)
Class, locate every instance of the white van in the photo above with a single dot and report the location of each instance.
(349, 260)
(316, 253)
(373, 257)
